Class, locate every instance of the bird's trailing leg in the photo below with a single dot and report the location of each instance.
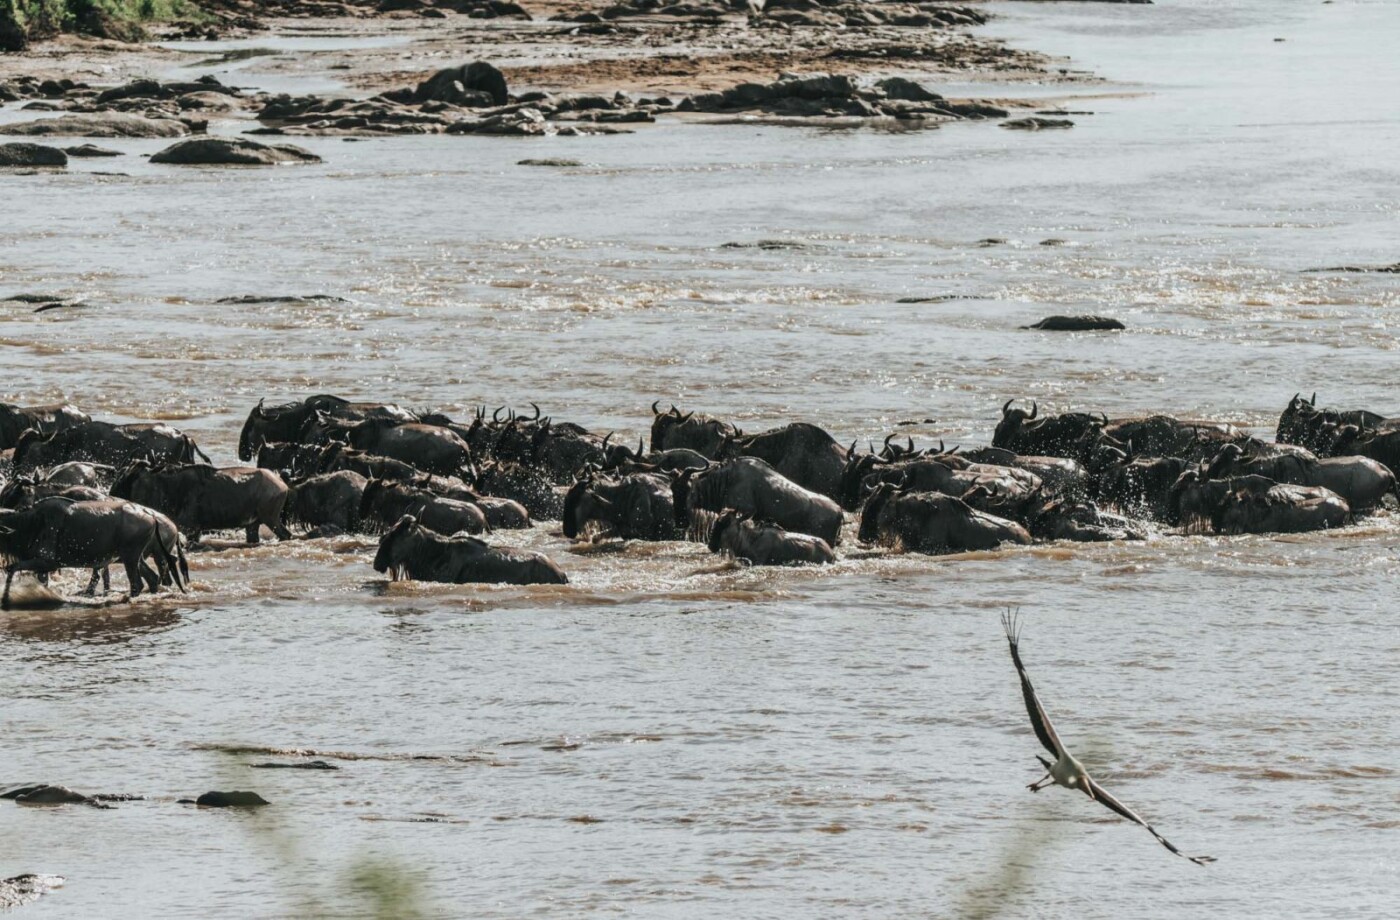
(1045, 780)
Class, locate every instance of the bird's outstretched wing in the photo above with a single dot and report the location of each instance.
(1101, 794)
(1039, 720)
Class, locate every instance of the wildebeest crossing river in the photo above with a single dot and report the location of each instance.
(671, 734)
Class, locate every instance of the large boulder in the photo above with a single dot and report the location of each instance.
(31, 155)
(449, 85)
(229, 151)
(100, 124)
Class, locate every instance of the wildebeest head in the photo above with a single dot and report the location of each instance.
(853, 476)
(680, 495)
(578, 504)
(395, 547)
(264, 425)
(869, 531)
(29, 447)
(1011, 422)
(728, 519)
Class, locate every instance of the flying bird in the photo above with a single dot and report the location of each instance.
(1066, 771)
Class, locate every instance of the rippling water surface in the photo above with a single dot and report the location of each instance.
(672, 737)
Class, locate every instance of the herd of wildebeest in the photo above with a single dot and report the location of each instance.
(81, 493)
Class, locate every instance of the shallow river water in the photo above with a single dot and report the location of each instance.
(671, 737)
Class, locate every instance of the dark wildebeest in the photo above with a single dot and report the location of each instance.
(1303, 423)
(429, 447)
(750, 486)
(330, 501)
(1000, 490)
(1054, 436)
(79, 473)
(202, 498)
(23, 491)
(285, 422)
(103, 442)
(1079, 521)
(1253, 504)
(701, 433)
(501, 513)
(1142, 486)
(759, 543)
(621, 459)
(1058, 475)
(383, 503)
(1361, 481)
(639, 506)
(527, 485)
(411, 551)
(804, 453)
(931, 522)
(1166, 436)
(57, 533)
(564, 450)
(16, 420)
(1381, 446)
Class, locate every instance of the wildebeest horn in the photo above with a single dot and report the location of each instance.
(1313, 401)
(1006, 406)
(606, 439)
(537, 412)
(888, 439)
(496, 416)
(653, 407)
(940, 445)
(640, 448)
(1035, 409)
(687, 417)
(1104, 416)
(259, 410)
(674, 411)
(910, 448)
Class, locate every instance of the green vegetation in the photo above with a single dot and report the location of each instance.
(23, 20)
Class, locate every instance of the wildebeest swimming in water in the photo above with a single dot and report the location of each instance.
(16, 420)
(929, 522)
(202, 498)
(752, 487)
(103, 442)
(638, 506)
(57, 533)
(701, 433)
(330, 501)
(760, 543)
(411, 551)
(805, 454)
(430, 448)
(284, 423)
(385, 503)
(1361, 481)
(1253, 504)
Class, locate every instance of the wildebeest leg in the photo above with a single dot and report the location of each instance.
(281, 530)
(253, 535)
(9, 577)
(151, 577)
(133, 575)
(106, 580)
(91, 588)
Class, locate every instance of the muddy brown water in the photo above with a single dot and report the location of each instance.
(669, 736)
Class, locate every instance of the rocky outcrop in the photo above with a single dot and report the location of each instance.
(89, 151)
(14, 156)
(456, 83)
(228, 800)
(104, 124)
(227, 151)
(1036, 123)
(836, 96)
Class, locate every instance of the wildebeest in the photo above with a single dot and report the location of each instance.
(16, 420)
(430, 448)
(104, 442)
(501, 513)
(1079, 521)
(330, 500)
(931, 522)
(750, 486)
(638, 506)
(1000, 490)
(384, 503)
(527, 485)
(24, 491)
(1058, 475)
(412, 551)
(761, 543)
(1361, 481)
(1053, 436)
(202, 498)
(80, 473)
(285, 422)
(1141, 486)
(619, 458)
(564, 450)
(57, 533)
(1302, 422)
(701, 433)
(804, 453)
(1254, 504)
(1168, 436)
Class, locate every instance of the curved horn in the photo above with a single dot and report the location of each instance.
(653, 407)
(888, 439)
(537, 412)
(1035, 409)
(688, 416)
(1313, 401)
(496, 416)
(910, 448)
(1006, 406)
(606, 439)
(1104, 416)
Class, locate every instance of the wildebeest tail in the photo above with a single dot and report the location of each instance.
(174, 561)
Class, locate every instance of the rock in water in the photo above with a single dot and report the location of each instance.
(231, 800)
(478, 77)
(1037, 124)
(227, 151)
(101, 124)
(91, 150)
(1076, 324)
(31, 155)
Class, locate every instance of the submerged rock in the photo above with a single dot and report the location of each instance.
(13, 156)
(45, 794)
(91, 150)
(455, 83)
(1036, 123)
(550, 161)
(225, 151)
(299, 765)
(1384, 269)
(100, 124)
(1076, 324)
(230, 800)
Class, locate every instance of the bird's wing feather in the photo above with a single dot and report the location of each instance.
(1044, 730)
(1112, 804)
